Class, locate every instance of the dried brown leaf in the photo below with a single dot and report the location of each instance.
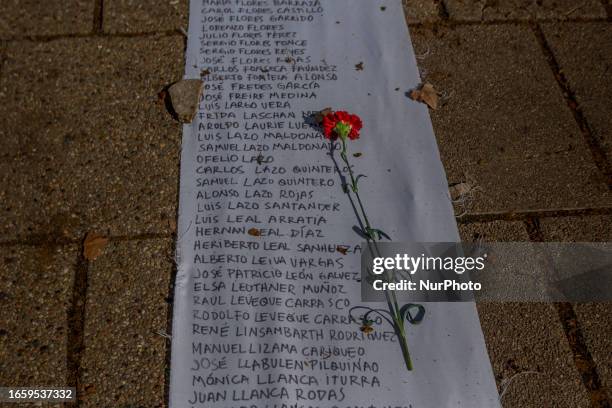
(426, 94)
(172, 225)
(320, 115)
(90, 389)
(161, 97)
(185, 98)
(254, 232)
(93, 245)
(459, 190)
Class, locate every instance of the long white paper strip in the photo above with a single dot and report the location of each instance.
(261, 321)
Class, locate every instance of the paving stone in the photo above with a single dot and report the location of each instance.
(8, 143)
(594, 228)
(526, 341)
(584, 52)
(595, 319)
(22, 18)
(497, 231)
(484, 10)
(124, 359)
(35, 298)
(528, 338)
(144, 16)
(94, 149)
(420, 11)
(503, 123)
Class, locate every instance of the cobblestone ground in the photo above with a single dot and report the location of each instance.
(85, 145)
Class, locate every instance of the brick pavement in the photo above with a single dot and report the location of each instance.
(84, 144)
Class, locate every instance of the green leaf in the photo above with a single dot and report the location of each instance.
(379, 233)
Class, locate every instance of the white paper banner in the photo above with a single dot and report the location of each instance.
(261, 321)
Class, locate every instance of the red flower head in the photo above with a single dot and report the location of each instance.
(341, 124)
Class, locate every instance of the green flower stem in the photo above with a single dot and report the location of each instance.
(404, 345)
(345, 158)
(355, 189)
(398, 321)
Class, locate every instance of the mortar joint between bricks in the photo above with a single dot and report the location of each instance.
(98, 17)
(607, 5)
(442, 10)
(532, 214)
(76, 326)
(597, 151)
(583, 360)
(59, 37)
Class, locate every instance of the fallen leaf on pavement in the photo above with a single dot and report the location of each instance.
(426, 94)
(172, 225)
(93, 245)
(185, 98)
(459, 190)
(161, 96)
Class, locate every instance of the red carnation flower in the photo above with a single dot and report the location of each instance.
(341, 124)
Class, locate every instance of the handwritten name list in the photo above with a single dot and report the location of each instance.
(268, 256)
